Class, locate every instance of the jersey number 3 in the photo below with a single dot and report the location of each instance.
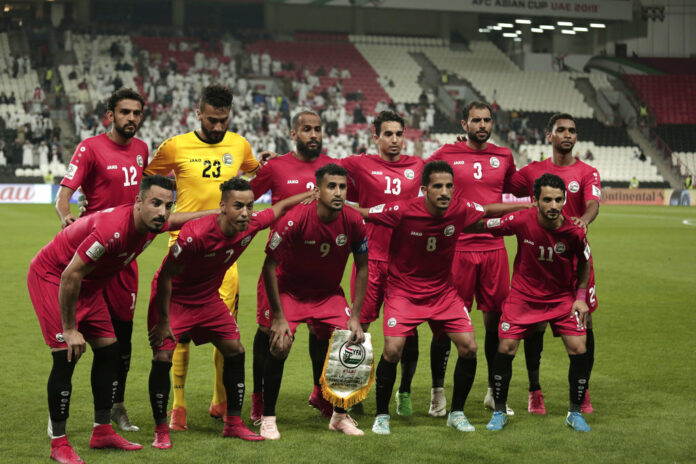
(211, 169)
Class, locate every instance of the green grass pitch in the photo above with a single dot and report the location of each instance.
(643, 385)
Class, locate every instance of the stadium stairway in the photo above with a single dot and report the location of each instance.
(664, 165)
(588, 91)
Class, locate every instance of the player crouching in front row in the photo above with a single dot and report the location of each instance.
(549, 283)
(185, 299)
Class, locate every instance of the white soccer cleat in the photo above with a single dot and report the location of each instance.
(381, 424)
(120, 417)
(438, 402)
(489, 403)
(269, 429)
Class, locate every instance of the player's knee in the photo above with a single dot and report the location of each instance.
(508, 346)
(392, 353)
(467, 348)
(163, 355)
(577, 349)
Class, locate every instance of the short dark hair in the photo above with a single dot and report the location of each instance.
(433, 167)
(150, 181)
(387, 116)
(330, 169)
(555, 117)
(217, 96)
(124, 93)
(479, 105)
(296, 118)
(548, 180)
(235, 183)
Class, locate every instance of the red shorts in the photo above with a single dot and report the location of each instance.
(446, 313)
(121, 292)
(374, 296)
(202, 322)
(92, 316)
(484, 275)
(263, 307)
(520, 318)
(324, 315)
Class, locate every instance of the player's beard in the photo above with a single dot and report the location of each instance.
(563, 150)
(155, 227)
(124, 133)
(304, 149)
(212, 137)
(474, 136)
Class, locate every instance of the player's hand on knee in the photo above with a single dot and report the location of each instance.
(159, 333)
(76, 344)
(281, 336)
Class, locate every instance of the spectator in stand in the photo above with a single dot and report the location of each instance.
(589, 156)
(689, 182)
(634, 184)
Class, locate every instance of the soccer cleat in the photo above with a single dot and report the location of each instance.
(104, 436)
(178, 419)
(586, 407)
(489, 403)
(63, 452)
(120, 417)
(256, 406)
(458, 420)
(269, 429)
(235, 428)
(381, 424)
(317, 401)
(342, 422)
(403, 404)
(498, 421)
(577, 422)
(535, 405)
(218, 411)
(162, 440)
(438, 402)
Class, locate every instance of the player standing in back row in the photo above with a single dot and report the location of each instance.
(480, 269)
(376, 179)
(583, 193)
(109, 168)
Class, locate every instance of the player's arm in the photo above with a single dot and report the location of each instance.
(591, 212)
(361, 269)
(283, 205)
(495, 210)
(68, 295)
(162, 330)
(580, 310)
(279, 325)
(164, 160)
(63, 206)
(177, 220)
(591, 194)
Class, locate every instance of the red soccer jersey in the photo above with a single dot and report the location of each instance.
(109, 173)
(422, 245)
(313, 254)
(207, 253)
(286, 176)
(374, 181)
(581, 179)
(544, 269)
(481, 176)
(108, 240)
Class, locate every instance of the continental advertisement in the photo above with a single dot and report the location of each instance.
(662, 197)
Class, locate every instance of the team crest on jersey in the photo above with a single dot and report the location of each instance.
(409, 174)
(227, 159)
(505, 326)
(59, 337)
(275, 241)
(245, 241)
(347, 310)
(495, 162)
(341, 239)
(267, 314)
(559, 248)
(495, 222)
(139, 160)
(391, 322)
(449, 230)
(574, 187)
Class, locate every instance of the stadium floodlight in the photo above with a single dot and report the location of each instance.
(568, 32)
(496, 28)
(483, 30)
(517, 39)
(564, 23)
(598, 25)
(505, 25)
(580, 29)
(547, 27)
(509, 34)
(518, 32)
(537, 30)
(523, 21)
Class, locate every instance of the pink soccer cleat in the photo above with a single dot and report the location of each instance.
(535, 404)
(235, 428)
(586, 407)
(63, 452)
(104, 436)
(317, 401)
(162, 440)
(256, 406)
